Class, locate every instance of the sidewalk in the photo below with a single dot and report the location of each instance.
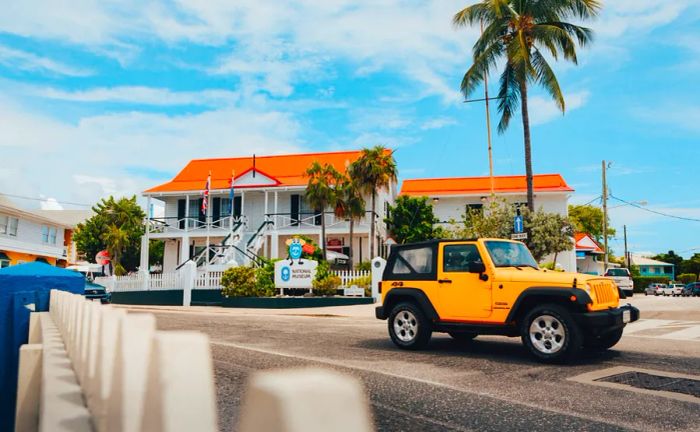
(356, 311)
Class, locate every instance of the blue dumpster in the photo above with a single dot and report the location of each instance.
(23, 285)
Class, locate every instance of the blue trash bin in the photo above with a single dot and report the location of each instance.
(20, 286)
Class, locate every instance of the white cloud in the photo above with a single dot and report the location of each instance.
(438, 123)
(543, 109)
(83, 161)
(26, 61)
(677, 114)
(141, 95)
(51, 204)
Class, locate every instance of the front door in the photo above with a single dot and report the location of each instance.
(463, 295)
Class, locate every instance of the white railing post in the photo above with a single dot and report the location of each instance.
(189, 404)
(311, 400)
(378, 265)
(188, 275)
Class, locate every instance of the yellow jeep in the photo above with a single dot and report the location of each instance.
(494, 287)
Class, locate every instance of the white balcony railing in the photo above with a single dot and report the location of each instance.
(190, 224)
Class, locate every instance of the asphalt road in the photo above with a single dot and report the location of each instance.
(490, 384)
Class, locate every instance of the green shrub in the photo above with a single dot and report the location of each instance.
(686, 278)
(363, 282)
(325, 282)
(265, 279)
(247, 282)
(641, 282)
(551, 266)
(363, 266)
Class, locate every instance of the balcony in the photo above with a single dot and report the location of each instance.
(174, 226)
(284, 222)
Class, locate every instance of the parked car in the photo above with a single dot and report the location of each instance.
(622, 278)
(655, 289)
(673, 290)
(95, 291)
(691, 290)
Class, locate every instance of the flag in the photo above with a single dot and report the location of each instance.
(230, 195)
(205, 193)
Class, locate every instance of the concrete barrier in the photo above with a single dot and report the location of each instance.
(90, 367)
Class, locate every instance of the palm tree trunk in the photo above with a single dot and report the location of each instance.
(352, 227)
(323, 235)
(528, 147)
(371, 227)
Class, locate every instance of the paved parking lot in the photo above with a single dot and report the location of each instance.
(489, 384)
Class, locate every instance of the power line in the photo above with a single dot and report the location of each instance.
(654, 211)
(44, 200)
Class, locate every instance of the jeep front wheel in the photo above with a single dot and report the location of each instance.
(550, 333)
(408, 327)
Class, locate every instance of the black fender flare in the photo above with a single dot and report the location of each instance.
(582, 299)
(416, 295)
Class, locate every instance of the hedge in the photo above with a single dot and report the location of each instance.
(686, 278)
(641, 282)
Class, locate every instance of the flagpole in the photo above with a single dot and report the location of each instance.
(231, 197)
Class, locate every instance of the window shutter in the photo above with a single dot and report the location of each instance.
(181, 213)
(216, 211)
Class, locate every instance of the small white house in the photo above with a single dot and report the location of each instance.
(451, 197)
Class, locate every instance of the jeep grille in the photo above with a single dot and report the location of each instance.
(605, 291)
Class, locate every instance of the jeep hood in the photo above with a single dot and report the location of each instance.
(542, 277)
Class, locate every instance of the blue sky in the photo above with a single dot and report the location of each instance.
(110, 98)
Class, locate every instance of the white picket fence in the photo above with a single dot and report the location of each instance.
(91, 367)
(158, 282)
(347, 276)
(203, 280)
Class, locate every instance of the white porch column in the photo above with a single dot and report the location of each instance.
(276, 224)
(145, 243)
(243, 215)
(184, 248)
(274, 247)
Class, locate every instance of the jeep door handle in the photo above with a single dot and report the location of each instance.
(444, 281)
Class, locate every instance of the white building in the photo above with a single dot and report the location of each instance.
(268, 208)
(27, 236)
(451, 197)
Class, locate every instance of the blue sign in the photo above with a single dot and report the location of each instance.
(285, 273)
(295, 250)
(518, 224)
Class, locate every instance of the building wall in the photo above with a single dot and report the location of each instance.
(446, 208)
(589, 265)
(28, 244)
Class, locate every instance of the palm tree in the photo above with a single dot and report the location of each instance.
(374, 170)
(321, 192)
(520, 31)
(116, 238)
(350, 204)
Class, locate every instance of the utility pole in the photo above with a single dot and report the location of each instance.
(605, 219)
(488, 122)
(627, 257)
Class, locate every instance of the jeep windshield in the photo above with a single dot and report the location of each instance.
(508, 254)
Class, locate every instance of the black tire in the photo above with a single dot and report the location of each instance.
(605, 341)
(462, 336)
(408, 327)
(550, 333)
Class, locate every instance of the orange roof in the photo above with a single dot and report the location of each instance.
(284, 170)
(482, 185)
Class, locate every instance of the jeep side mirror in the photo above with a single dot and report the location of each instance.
(477, 267)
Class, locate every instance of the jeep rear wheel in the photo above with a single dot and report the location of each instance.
(408, 327)
(550, 333)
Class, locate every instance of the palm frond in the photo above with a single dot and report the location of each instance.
(547, 79)
(548, 35)
(481, 66)
(508, 96)
(561, 9)
(583, 35)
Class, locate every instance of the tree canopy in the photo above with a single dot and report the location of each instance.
(589, 219)
(411, 219)
(117, 226)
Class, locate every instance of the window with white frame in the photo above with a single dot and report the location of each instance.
(48, 234)
(8, 225)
